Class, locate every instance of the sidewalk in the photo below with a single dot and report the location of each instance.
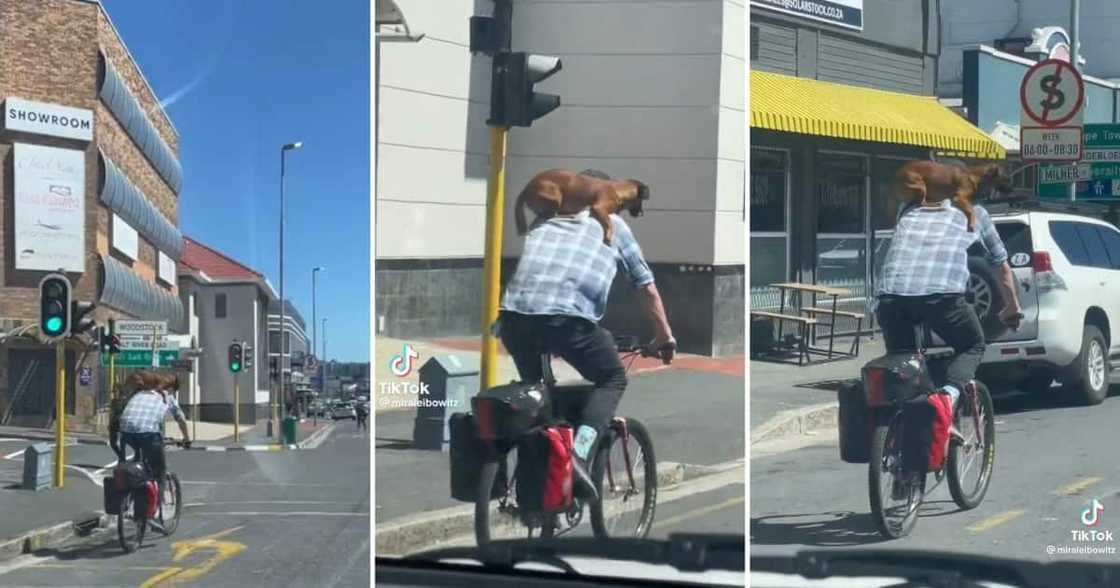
(468, 348)
(778, 391)
(36, 519)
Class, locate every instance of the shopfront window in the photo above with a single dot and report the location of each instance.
(884, 210)
(769, 235)
(842, 222)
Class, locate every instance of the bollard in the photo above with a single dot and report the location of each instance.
(290, 427)
(447, 384)
(37, 462)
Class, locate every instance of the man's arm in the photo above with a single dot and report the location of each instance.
(997, 256)
(655, 309)
(642, 278)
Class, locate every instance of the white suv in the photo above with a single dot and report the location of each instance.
(1067, 268)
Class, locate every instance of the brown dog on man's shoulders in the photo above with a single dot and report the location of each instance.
(929, 182)
(561, 191)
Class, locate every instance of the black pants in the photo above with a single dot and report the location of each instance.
(149, 446)
(588, 347)
(947, 315)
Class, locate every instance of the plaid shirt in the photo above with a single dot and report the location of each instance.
(566, 269)
(929, 251)
(146, 412)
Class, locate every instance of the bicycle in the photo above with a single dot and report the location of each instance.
(887, 478)
(132, 516)
(508, 517)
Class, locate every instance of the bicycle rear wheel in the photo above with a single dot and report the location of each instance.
(130, 528)
(625, 476)
(975, 419)
(894, 495)
(502, 518)
(170, 508)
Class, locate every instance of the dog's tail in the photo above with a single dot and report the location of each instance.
(519, 212)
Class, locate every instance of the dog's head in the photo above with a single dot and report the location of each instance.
(989, 178)
(640, 195)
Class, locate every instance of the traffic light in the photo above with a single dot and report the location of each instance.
(114, 344)
(248, 356)
(513, 102)
(80, 317)
(235, 357)
(54, 306)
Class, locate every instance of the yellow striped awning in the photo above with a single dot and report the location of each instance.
(812, 107)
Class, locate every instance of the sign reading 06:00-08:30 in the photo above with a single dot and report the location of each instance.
(1051, 143)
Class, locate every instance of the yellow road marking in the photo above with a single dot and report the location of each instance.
(1075, 488)
(995, 521)
(222, 550)
(695, 513)
(160, 577)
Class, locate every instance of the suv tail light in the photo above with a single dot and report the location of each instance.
(1040, 262)
(1045, 276)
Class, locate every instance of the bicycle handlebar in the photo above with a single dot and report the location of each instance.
(629, 344)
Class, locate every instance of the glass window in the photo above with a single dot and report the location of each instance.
(884, 203)
(840, 194)
(219, 306)
(769, 170)
(1094, 245)
(1111, 239)
(1016, 237)
(1065, 235)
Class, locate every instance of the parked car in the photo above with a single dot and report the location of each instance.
(343, 410)
(1067, 270)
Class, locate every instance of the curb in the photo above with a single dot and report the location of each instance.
(425, 529)
(271, 447)
(797, 422)
(35, 539)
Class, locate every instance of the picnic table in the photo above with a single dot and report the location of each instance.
(807, 325)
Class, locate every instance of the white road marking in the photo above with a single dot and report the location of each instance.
(336, 577)
(281, 514)
(23, 561)
(196, 504)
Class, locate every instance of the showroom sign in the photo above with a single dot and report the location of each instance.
(42, 118)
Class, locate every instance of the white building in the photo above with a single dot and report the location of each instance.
(653, 91)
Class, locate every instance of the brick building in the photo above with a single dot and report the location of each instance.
(89, 182)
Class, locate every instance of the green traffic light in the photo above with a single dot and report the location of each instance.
(54, 324)
(235, 367)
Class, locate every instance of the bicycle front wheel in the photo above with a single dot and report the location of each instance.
(625, 475)
(170, 508)
(893, 494)
(130, 528)
(970, 462)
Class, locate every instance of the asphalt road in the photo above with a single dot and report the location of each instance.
(694, 417)
(1051, 462)
(288, 518)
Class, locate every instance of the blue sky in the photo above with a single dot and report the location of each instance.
(240, 79)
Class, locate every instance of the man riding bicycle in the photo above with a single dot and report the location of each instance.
(924, 279)
(141, 421)
(554, 302)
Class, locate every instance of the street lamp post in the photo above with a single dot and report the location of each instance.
(314, 323)
(323, 377)
(283, 310)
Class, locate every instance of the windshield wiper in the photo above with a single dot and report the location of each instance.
(942, 569)
(687, 552)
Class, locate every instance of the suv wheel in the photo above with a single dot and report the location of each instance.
(1088, 374)
(986, 296)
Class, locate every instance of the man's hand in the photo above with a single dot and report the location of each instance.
(665, 347)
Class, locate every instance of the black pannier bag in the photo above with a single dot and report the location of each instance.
(896, 377)
(467, 453)
(507, 411)
(855, 423)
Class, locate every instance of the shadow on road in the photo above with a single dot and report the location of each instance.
(106, 547)
(829, 529)
(389, 443)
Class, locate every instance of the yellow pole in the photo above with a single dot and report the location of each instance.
(60, 411)
(112, 377)
(492, 262)
(236, 409)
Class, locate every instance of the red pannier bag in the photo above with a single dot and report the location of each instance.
(544, 470)
(925, 432)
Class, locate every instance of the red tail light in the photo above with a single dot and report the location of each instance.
(873, 380)
(1040, 262)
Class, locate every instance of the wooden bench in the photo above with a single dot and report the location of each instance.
(804, 324)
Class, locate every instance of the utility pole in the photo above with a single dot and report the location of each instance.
(1074, 52)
